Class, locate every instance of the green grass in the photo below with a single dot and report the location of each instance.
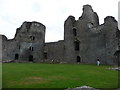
(0, 75)
(36, 75)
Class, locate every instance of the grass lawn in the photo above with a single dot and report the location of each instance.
(36, 75)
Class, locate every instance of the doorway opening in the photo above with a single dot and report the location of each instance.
(45, 55)
(31, 58)
(78, 59)
(16, 56)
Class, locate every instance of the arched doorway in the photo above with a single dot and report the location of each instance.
(31, 58)
(78, 59)
(16, 56)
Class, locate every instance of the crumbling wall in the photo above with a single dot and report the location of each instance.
(55, 52)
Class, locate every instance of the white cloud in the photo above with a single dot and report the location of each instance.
(52, 13)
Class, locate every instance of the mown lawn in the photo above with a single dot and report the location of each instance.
(36, 75)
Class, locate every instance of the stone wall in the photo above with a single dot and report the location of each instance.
(54, 51)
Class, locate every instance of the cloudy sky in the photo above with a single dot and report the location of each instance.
(52, 13)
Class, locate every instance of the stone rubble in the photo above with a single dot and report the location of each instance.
(117, 68)
(82, 88)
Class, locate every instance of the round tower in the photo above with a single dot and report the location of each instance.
(30, 39)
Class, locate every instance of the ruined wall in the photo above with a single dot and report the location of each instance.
(55, 51)
(4, 49)
(112, 44)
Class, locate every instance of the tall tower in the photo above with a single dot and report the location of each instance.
(30, 38)
(77, 34)
(72, 44)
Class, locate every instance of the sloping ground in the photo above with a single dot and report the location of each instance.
(36, 75)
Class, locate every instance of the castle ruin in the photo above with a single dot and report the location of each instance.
(85, 40)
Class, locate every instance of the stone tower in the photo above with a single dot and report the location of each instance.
(85, 40)
(70, 40)
(76, 33)
(28, 43)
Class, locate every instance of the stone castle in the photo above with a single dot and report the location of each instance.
(85, 40)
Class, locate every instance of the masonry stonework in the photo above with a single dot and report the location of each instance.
(85, 40)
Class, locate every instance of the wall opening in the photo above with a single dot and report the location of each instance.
(76, 45)
(31, 48)
(45, 55)
(78, 59)
(16, 56)
(32, 38)
(117, 54)
(74, 32)
(31, 58)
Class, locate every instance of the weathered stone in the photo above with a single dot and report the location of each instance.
(84, 41)
(95, 41)
(27, 45)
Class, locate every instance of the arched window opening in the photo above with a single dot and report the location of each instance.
(76, 44)
(31, 58)
(16, 56)
(78, 59)
(74, 32)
